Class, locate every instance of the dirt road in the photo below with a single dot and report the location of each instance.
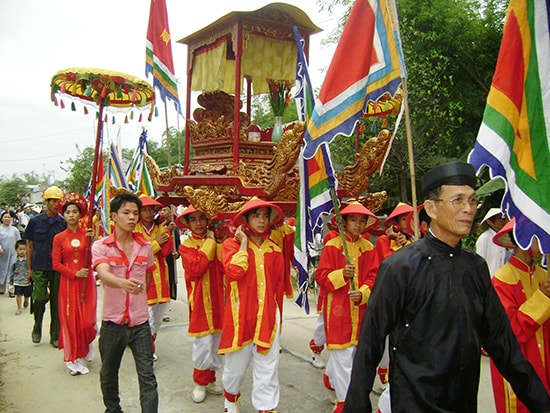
(33, 377)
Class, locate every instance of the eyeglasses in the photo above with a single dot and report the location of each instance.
(461, 201)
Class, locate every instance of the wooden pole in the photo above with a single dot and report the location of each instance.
(97, 153)
(341, 231)
(411, 158)
(167, 133)
(94, 170)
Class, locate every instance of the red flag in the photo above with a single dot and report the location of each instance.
(158, 54)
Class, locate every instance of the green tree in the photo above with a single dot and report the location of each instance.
(159, 151)
(80, 171)
(12, 190)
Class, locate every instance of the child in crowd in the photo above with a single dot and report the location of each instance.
(19, 276)
(205, 294)
(257, 276)
(397, 235)
(158, 294)
(347, 284)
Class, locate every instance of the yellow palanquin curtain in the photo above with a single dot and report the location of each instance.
(263, 58)
(267, 58)
(211, 69)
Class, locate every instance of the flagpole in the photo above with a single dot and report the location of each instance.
(341, 231)
(167, 136)
(411, 158)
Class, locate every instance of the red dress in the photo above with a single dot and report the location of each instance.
(77, 296)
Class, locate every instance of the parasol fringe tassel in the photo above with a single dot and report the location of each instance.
(131, 115)
(126, 119)
(140, 117)
(73, 107)
(62, 104)
(106, 119)
(85, 110)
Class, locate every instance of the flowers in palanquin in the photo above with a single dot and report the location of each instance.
(279, 95)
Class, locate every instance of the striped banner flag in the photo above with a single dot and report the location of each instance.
(158, 53)
(105, 203)
(367, 65)
(316, 179)
(514, 138)
(303, 90)
(116, 174)
(137, 175)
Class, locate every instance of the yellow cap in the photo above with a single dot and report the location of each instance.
(53, 192)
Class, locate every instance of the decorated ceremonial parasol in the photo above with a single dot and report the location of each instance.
(103, 89)
(116, 91)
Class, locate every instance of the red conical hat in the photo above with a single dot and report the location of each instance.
(148, 201)
(400, 209)
(181, 220)
(359, 209)
(502, 238)
(275, 216)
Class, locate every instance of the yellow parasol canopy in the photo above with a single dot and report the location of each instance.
(104, 88)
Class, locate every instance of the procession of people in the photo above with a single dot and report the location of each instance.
(426, 293)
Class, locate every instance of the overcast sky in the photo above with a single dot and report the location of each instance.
(40, 37)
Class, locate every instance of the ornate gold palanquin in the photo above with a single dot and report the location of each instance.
(241, 51)
(238, 53)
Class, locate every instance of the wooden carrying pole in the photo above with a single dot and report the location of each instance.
(341, 231)
(167, 134)
(411, 158)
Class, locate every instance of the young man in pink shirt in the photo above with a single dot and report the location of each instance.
(124, 262)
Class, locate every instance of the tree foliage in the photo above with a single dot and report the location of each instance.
(12, 190)
(16, 189)
(176, 141)
(80, 168)
(80, 171)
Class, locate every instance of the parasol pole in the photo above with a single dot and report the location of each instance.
(411, 158)
(92, 197)
(94, 173)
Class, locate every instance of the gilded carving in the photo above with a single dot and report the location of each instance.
(355, 178)
(214, 120)
(286, 154)
(374, 201)
(210, 201)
